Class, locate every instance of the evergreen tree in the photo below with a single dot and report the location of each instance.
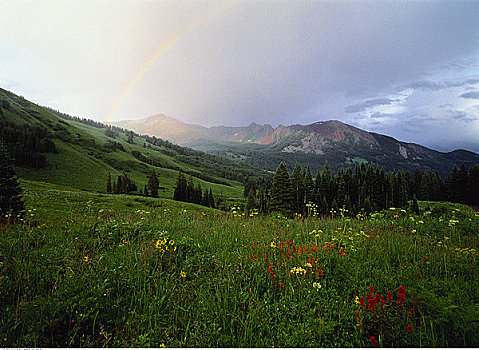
(205, 199)
(198, 195)
(282, 192)
(250, 202)
(308, 186)
(153, 184)
(262, 201)
(473, 187)
(180, 188)
(145, 191)
(211, 199)
(108, 183)
(190, 190)
(130, 137)
(462, 181)
(416, 188)
(249, 186)
(11, 201)
(415, 205)
(298, 190)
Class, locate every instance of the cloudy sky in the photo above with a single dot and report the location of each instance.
(408, 69)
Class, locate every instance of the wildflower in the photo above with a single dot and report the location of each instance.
(162, 345)
(273, 245)
(374, 342)
(356, 300)
(297, 270)
(85, 258)
(361, 302)
(270, 269)
(308, 265)
(358, 319)
(409, 327)
(183, 274)
(317, 285)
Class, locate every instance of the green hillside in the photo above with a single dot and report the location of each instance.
(78, 153)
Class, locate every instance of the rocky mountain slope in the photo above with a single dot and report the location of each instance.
(338, 143)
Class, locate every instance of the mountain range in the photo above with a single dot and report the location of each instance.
(340, 144)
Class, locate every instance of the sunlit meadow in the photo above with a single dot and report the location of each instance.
(92, 270)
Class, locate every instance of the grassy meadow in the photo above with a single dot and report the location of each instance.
(85, 269)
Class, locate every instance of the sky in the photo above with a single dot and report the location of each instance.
(407, 69)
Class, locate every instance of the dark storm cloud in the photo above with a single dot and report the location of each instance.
(435, 86)
(474, 95)
(361, 107)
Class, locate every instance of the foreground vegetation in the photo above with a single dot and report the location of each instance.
(86, 269)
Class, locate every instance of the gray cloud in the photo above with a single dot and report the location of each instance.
(435, 86)
(361, 107)
(268, 62)
(474, 95)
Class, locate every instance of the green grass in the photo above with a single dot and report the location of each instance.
(86, 269)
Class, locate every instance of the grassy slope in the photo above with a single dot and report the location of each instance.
(83, 161)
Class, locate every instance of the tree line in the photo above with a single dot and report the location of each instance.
(186, 191)
(26, 142)
(125, 185)
(364, 189)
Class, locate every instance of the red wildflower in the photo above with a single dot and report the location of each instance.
(270, 269)
(390, 296)
(358, 319)
(409, 327)
(361, 302)
(374, 342)
(281, 284)
(372, 305)
(300, 251)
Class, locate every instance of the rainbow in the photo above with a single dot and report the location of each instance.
(161, 50)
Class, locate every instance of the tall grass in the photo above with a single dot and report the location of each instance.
(90, 270)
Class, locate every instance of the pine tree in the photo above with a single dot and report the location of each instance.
(180, 189)
(308, 186)
(108, 183)
(462, 181)
(282, 193)
(250, 202)
(211, 199)
(298, 190)
(415, 205)
(145, 191)
(11, 201)
(190, 190)
(474, 185)
(153, 184)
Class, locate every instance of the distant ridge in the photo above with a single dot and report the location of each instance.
(340, 144)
